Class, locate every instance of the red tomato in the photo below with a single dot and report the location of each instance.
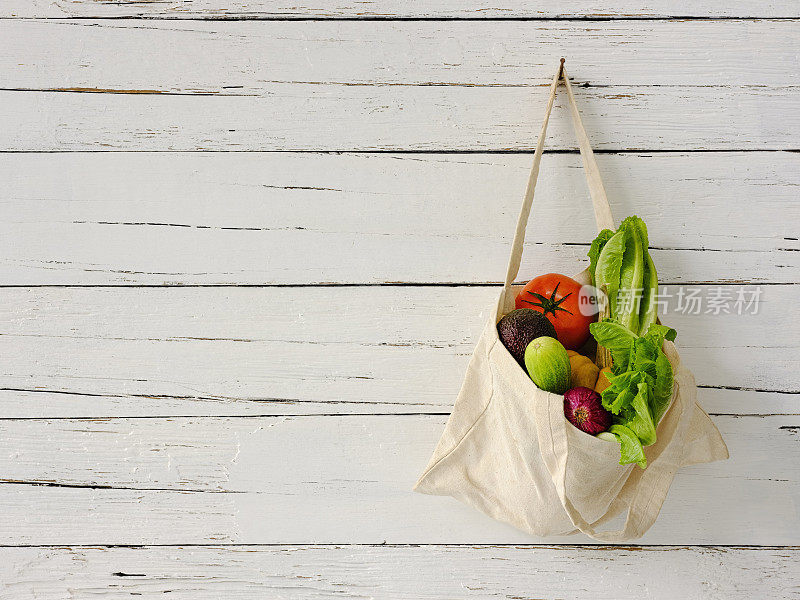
(557, 296)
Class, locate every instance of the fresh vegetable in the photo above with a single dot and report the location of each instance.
(558, 298)
(640, 384)
(621, 263)
(519, 327)
(602, 380)
(595, 248)
(631, 450)
(648, 306)
(548, 364)
(638, 387)
(616, 339)
(583, 372)
(584, 409)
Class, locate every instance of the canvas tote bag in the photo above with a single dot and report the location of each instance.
(507, 448)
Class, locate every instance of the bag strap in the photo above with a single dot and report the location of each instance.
(602, 211)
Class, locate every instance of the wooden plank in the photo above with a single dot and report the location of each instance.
(334, 480)
(412, 573)
(438, 9)
(240, 218)
(310, 102)
(59, 404)
(163, 351)
(310, 117)
(247, 58)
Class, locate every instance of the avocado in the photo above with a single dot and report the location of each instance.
(519, 327)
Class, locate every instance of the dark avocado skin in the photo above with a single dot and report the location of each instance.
(519, 327)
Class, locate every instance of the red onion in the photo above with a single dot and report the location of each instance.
(584, 409)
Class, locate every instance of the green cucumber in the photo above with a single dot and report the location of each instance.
(547, 362)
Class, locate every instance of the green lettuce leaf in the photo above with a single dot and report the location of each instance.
(631, 277)
(597, 246)
(619, 395)
(662, 388)
(662, 374)
(648, 309)
(643, 357)
(631, 450)
(617, 339)
(609, 266)
(657, 333)
(641, 228)
(636, 416)
(649, 289)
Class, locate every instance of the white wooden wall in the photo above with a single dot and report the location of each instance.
(246, 249)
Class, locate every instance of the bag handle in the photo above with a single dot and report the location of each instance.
(602, 210)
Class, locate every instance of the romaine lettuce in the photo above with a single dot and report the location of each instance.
(642, 380)
(657, 333)
(636, 416)
(631, 276)
(641, 384)
(648, 305)
(662, 389)
(631, 450)
(617, 339)
(609, 265)
(595, 249)
(619, 394)
(621, 262)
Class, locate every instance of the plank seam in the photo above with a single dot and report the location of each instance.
(321, 284)
(190, 397)
(464, 84)
(521, 546)
(389, 18)
(404, 151)
(316, 415)
(100, 486)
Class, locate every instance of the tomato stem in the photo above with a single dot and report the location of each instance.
(549, 305)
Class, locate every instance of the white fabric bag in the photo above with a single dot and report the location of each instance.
(508, 450)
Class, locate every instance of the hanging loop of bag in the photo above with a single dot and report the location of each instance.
(602, 210)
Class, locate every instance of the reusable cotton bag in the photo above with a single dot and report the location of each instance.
(507, 448)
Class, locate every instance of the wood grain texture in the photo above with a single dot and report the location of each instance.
(266, 218)
(41, 403)
(438, 9)
(311, 117)
(404, 573)
(302, 415)
(332, 480)
(304, 350)
(241, 58)
(346, 85)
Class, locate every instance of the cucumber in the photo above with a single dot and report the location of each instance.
(547, 362)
